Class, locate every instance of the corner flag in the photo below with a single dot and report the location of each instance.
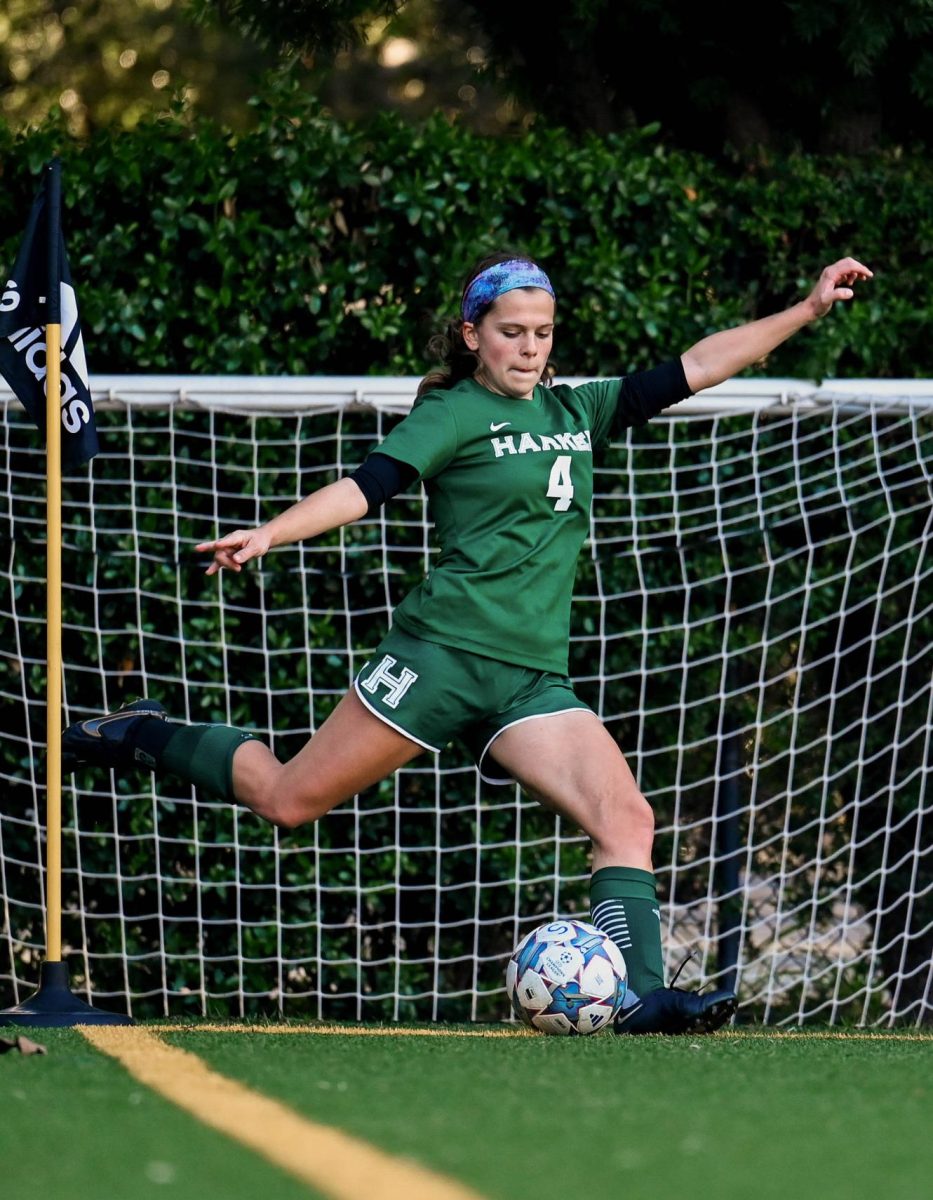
(38, 294)
(42, 358)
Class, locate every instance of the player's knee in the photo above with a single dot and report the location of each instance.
(288, 814)
(290, 810)
(625, 823)
(288, 817)
(641, 817)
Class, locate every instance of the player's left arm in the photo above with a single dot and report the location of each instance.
(721, 355)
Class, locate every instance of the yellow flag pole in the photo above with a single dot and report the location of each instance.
(54, 1003)
(53, 425)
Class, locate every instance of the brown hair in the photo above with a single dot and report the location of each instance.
(457, 360)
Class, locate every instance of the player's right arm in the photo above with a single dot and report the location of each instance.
(332, 506)
(420, 445)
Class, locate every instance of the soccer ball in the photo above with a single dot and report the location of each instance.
(566, 978)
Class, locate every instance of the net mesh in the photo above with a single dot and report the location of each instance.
(752, 621)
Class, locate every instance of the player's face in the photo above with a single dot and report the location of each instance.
(513, 341)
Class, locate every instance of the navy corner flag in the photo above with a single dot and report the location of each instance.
(27, 305)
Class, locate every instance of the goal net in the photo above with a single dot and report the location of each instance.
(753, 621)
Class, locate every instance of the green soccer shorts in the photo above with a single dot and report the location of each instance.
(433, 694)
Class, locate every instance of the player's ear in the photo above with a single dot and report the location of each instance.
(468, 331)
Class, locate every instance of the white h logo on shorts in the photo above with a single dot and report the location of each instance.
(398, 685)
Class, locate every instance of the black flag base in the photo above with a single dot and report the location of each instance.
(55, 1004)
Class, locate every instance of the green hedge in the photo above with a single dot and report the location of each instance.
(311, 247)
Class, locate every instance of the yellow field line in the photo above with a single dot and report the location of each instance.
(334, 1162)
(348, 1030)
(855, 1035)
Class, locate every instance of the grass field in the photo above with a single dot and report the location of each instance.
(440, 1113)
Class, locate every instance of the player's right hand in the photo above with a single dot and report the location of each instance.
(235, 549)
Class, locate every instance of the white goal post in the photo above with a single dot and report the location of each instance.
(753, 620)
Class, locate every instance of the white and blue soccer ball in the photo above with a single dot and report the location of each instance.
(566, 978)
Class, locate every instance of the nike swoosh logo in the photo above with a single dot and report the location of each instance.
(494, 427)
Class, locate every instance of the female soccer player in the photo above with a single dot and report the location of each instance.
(479, 650)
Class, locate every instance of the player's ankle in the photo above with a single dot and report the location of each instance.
(148, 738)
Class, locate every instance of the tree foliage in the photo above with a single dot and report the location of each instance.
(111, 63)
(823, 75)
(298, 26)
(818, 74)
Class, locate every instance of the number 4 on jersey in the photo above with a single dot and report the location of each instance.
(559, 486)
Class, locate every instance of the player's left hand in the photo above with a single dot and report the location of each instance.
(836, 283)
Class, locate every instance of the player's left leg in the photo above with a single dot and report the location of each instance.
(570, 763)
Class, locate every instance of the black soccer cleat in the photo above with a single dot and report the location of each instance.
(102, 740)
(671, 1010)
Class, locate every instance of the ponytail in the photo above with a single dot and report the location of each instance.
(457, 360)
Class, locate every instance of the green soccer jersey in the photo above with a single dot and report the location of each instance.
(509, 485)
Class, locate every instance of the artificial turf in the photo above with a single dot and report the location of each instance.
(735, 1115)
(76, 1124)
(727, 1116)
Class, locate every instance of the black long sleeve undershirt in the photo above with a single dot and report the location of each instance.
(642, 396)
(381, 477)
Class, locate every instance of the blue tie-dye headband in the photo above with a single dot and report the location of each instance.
(503, 277)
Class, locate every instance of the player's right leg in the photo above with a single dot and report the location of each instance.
(352, 750)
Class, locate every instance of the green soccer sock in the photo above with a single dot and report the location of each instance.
(198, 754)
(624, 905)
